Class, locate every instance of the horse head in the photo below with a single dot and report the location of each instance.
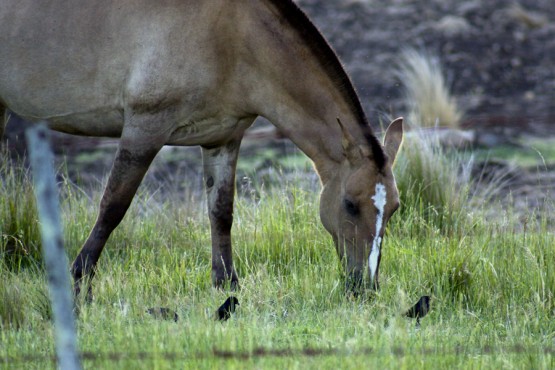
(357, 202)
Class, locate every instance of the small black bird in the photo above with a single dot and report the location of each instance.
(225, 310)
(420, 309)
(163, 313)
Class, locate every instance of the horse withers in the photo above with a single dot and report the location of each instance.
(190, 72)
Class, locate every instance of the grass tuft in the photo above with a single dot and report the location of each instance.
(434, 183)
(12, 301)
(428, 98)
(19, 230)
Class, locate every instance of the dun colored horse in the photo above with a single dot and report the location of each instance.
(198, 72)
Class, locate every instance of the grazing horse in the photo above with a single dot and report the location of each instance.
(198, 72)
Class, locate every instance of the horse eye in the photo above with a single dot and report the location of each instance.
(351, 208)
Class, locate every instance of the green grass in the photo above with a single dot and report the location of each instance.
(493, 290)
(19, 230)
(532, 152)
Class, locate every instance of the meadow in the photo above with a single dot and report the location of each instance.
(492, 279)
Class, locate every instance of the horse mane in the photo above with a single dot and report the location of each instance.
(329, 60)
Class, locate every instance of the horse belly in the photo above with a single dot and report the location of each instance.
(100, 123)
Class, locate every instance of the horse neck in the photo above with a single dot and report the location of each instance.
(295, 90)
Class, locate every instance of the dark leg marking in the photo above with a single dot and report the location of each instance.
(222, 212)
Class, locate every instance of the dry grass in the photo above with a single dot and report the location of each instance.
(428, 98)
(526, 17)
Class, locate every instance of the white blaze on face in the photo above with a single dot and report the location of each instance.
(379, 201)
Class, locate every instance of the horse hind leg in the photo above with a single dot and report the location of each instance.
(135, 153)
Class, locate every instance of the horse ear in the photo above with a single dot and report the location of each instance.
(393, 138)
(351, 150)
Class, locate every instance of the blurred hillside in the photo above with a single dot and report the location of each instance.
(498, 55)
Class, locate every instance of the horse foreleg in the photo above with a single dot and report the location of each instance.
(219, 175)
(135, 153)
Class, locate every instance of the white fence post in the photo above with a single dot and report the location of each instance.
(53, 252)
